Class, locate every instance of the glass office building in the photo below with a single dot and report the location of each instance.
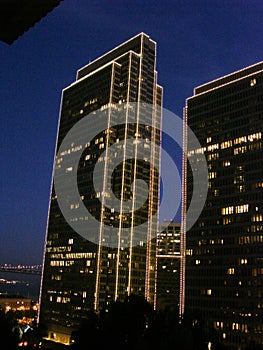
(80, 275)
(224, 261)
(168, 267)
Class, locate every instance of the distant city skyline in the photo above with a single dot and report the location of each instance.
(197, 42)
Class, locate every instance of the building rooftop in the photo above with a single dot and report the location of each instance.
(111, 55)
(18, 16)
(229, 78)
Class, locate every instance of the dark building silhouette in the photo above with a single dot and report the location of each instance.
(224, 265)
(18, 16)
(80, 275)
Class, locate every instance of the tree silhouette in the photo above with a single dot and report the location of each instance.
(9, 331)
(124, 324)
(133, 324)
(88, 332)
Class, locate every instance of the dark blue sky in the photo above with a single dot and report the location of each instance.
(197, 41)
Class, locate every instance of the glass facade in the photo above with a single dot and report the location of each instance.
(168, 267)
(79, 275)
(224, 263)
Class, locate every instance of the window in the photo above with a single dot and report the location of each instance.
(240, 150)
(227, 210)
(226, 144)
(212, 175)
(243, 261)
(253, 82)
(241, 209)
(257, 218)
(226, 163)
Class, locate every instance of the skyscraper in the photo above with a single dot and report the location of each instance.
(224, 265)
(81, 274)
(168, 267)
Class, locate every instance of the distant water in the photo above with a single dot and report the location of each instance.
(20, 284)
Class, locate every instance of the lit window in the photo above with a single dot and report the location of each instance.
(253, 82)
(65, 300)
(189, 252)
(227, 210)
(235, 326)
(253, 137)
(243, 261)
(213, 156)
(241, 188)
(226, 163)
(226, 144)
(241, 209)
(239, 140)
(212, 175)
(257, 218)
(240, 150)
(226, 221)
(231, 271)
(56, 263)
(216, 192)
(213, 147)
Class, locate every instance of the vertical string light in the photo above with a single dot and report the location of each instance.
(183, 220)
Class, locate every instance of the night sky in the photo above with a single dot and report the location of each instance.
(197, 41)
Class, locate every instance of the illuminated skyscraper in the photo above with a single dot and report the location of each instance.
(168, 267)
(80, 275)
(224, 264)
